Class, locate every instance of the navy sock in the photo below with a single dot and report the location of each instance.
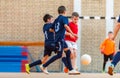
(116, 59)
(68, 52)
(65, 62)
(38, 62)
(59, 55)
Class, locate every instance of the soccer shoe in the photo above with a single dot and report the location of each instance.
(27, 68)
(44, 69)
(74, 72)
(66, 70)
(110, 70)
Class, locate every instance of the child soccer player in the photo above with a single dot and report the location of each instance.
(71, 42)
(107, 48)
(60, 25)
(116, 58)
(49, 43)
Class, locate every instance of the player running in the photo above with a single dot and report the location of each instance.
(60, 25)
(49, 43)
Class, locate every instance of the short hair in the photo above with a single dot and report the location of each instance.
(46, 17)
(110, 32)
(75, 14)
(61, 9)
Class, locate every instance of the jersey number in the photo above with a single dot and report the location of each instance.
(57, 27)
(46, 36)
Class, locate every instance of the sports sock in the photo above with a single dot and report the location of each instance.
(65, 62)
(68, 52)
(38, 62)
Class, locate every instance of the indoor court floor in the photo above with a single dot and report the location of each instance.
(57, 75)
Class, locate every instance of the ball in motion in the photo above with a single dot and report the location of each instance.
(85, 59)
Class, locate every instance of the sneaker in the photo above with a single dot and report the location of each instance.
(27, 68)
(44, 69)
(73, 72)
(110, 70)
(66, 70)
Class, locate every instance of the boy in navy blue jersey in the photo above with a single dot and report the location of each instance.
(116, 58)
(60, 25)
(49, 42)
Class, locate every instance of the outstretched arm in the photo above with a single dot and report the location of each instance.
(69, 30)
(117, 27)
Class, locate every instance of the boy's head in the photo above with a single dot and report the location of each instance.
(47, 18)
(110, 34)
(61, 10)
(75, 17)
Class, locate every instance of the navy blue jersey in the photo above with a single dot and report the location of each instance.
(49, 36)
(119, 19)
(59, 28)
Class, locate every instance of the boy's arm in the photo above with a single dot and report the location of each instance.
(117, 27)
(69, 34)
(69, 30)
(102, 46)
(51, 30)
(65, 21)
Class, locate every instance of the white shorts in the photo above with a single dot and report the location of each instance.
(71, 44)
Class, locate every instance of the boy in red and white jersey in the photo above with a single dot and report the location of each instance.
(71, 41)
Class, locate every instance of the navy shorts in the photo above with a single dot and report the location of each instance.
(49, 48)
(61, 45)
(54, 47)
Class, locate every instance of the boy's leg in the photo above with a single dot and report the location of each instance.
(74, 54)
(65, 61)
(66, 70)
(38, 62)
(116, 59)
(68, 55)
(45, 59)
(104, 62)
(51, 60)
(59, 55)
(72, 71)
(68, 59)
(74, 59)
(28, 66)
